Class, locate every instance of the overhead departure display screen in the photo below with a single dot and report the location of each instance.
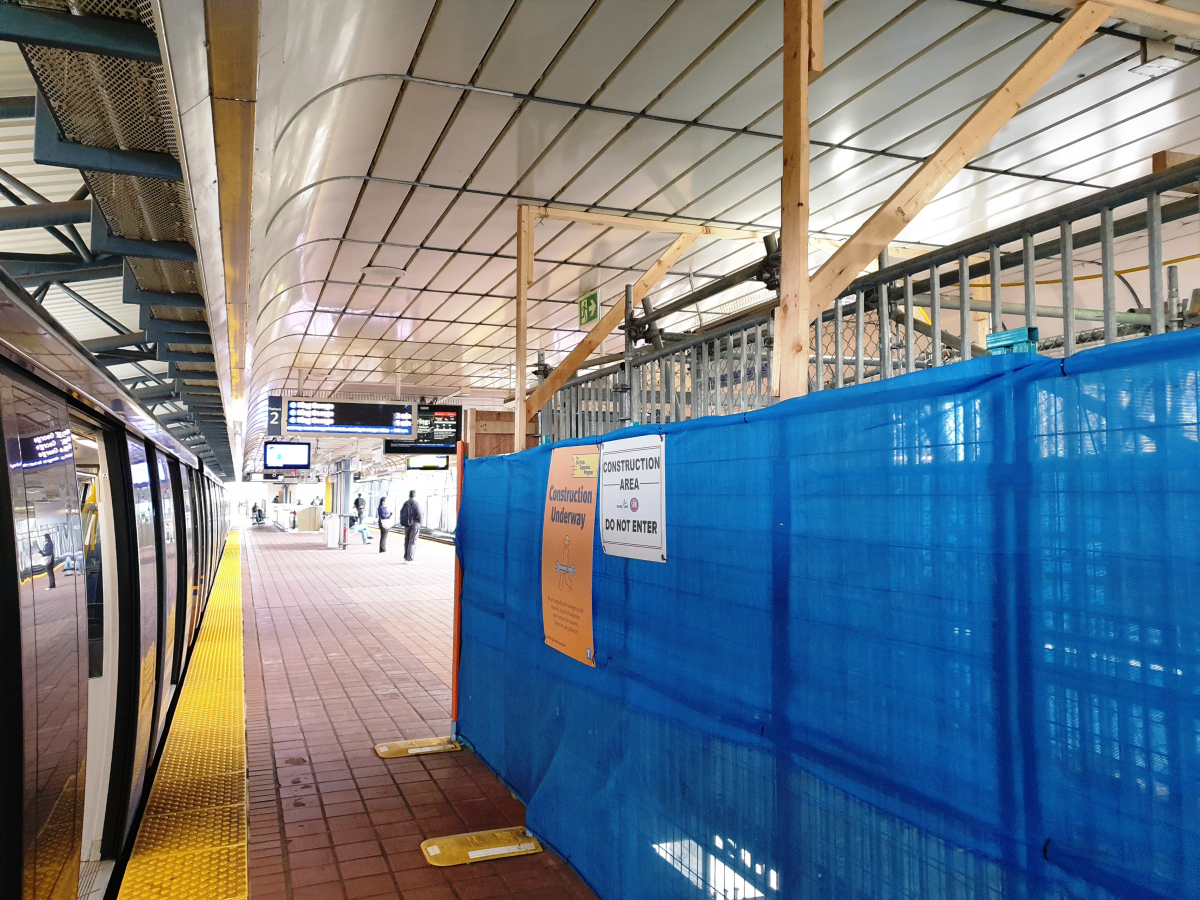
(438, 428)
(439, 425)
(347, 417)
(286, 456)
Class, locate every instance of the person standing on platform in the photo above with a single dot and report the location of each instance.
(48, 555)
(360, 507)
(410, 519)
(383, 514)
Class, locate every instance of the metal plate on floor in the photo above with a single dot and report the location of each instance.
(479, 846)
(418, 747)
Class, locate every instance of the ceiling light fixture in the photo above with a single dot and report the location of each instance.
(389, 273)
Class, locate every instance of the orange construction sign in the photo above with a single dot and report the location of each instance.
(567, 533)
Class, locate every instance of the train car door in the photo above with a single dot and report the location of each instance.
(43, 648)
(135, 536)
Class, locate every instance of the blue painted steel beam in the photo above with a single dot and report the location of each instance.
(51, 149)
(132, 293)
(174, 372)
(121, 38)
(166, 354)
(16, 107)
(104, 241)
(34, 268)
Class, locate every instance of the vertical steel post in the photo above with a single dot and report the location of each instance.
(626, 386)
(1027, 256)
(1155, 253)
(818, 328)
(1175, 321)
(908, 324)
(542, 414)
(994, 271)
(1108, 275)
(743, 383)
(964, 307)
(885, 323)
(859, 305)
(839, 341)
(1066, 244)
(935, 314)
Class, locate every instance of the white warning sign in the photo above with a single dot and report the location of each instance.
(633, 497)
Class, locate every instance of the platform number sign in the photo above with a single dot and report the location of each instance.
(274, 416)
(589, 309)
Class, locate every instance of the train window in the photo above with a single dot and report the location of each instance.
(51, 699)
(90, 563)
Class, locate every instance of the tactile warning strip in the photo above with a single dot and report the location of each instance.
(192, 840)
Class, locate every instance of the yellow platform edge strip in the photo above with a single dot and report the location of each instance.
(192, 840)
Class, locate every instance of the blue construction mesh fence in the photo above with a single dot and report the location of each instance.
(932, 638)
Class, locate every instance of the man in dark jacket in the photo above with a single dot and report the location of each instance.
(410, 518)
(48, 555)
(360, 507)
(384, 515)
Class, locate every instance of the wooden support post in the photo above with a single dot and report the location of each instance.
(936, 172)
(792, 320)
(602, 329)
(524, 279)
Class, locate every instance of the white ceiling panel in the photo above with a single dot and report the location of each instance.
(536, 128)
(479, 121)
(610, 34)
(682, 36)
(420, 118)
(536, 32)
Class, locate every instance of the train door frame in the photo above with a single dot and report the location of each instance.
(182, 586)
(163, 686)
(101, 734)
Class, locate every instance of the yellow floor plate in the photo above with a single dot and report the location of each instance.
(479, 846)
(394, 749)
(192, 841)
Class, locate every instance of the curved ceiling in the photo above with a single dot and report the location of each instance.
(406, 134)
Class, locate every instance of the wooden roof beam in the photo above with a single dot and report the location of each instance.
(1172, 20)
(937, 171)
(602, 329)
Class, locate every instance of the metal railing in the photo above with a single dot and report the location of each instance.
(926, 311)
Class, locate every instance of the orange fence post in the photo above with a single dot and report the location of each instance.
(461, 453)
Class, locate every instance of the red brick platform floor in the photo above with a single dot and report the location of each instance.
(345, 649)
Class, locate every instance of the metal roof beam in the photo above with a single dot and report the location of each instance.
(35, 268)
(121, 38)
(188, 375)
(116, 342)
(45, 215)
(104, 241)
(51, 149)
(131, 292)
(165, 354)
(16, 107)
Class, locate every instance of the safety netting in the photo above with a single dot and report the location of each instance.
(935, 637)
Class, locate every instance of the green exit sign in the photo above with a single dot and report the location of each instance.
(589, 309)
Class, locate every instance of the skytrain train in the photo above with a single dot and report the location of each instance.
(110, 535)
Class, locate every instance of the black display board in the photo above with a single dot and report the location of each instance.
(346, 417)
(438, 428)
